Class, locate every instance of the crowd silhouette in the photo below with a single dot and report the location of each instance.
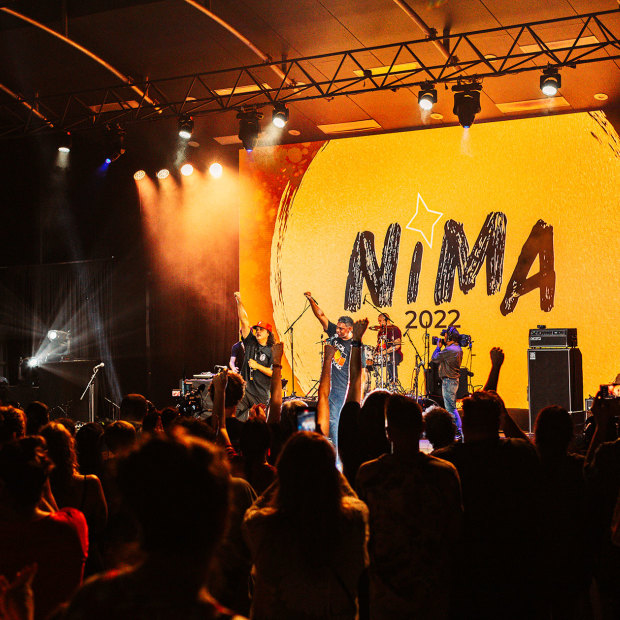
(161, 515)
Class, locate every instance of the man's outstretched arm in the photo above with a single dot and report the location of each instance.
(318, 313)
(244, 321)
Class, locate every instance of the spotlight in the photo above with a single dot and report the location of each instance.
(115, 142)
(466, 102)
(187, 169)
(32, 362)
(186, 126)
(60, 345)
(163, 173)
(279, 116)
(64, 144)
(139, 175)
(249, 128)
(216, 170)
(427, 96)
(550, 82)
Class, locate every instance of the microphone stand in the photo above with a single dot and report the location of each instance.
(90, 388)
(115, 407)
(290, 329)
(419, 362)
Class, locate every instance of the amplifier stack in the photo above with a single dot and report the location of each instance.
(554, 367)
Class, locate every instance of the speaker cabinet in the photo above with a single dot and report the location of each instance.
(554, 378)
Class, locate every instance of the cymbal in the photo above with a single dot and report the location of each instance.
(375, 328)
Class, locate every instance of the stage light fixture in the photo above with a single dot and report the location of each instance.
(32, 362)
(64, 144)
(427, 96)
(59, 346)
(467, 102)
(163, 173)
(115, 142)
(187, 169)
(186, 126)
(138, 175)
(216, 170)
(550, 82)
(280, 114)
(249, 128)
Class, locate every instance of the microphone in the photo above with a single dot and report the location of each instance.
(99, 366)
(363, 302)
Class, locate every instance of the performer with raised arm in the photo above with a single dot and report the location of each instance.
(341, 337)
(450, 355)
(256, 368)
(388, 345)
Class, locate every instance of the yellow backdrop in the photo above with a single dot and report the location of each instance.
(563, 170)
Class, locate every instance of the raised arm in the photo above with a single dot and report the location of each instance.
(322, 412)
(603, 411)
(318, 313)
(243, 316)
(497, 359)
(354, 393)
(219, 383)
(510, 428)
(275, 400)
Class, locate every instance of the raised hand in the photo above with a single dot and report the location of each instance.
(359, 328)
(276, 351)
(220, 381)
(497, 356)
(16, 597)
(329, 351)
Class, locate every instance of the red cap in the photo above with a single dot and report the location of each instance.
(265, 325)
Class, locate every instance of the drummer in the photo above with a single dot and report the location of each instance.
(388, 345)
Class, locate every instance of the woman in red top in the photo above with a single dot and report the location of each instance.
(56, 541)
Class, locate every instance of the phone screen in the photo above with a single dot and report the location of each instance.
(306, 419)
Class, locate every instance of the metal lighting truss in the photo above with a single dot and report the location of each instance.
(353, 72)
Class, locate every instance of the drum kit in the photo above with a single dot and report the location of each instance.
(378, 375)
(381, 362)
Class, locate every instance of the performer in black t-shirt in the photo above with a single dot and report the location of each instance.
(256, 368)
(237, 355)
(340, 336)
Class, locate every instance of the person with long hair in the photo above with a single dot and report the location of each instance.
(308, 538)
(74, 490)
(256, 369)
(54, 541)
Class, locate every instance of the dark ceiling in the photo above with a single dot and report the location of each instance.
(154, 40)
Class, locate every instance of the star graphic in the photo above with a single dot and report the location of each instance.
(424, 220)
